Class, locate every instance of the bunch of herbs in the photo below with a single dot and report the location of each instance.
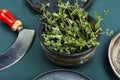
(70, 30)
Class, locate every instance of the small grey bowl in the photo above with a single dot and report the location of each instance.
(114, 54)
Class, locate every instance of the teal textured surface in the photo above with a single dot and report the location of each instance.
(34, 62)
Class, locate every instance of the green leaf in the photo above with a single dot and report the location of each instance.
(55, 14)
(85, 15)
(70, 21)
(99, 18)
(59, 1)
(42, 7)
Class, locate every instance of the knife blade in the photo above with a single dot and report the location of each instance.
(22, 43)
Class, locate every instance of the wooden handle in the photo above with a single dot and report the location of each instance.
(6, 17)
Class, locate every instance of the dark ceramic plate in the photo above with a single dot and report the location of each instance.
(61, 74)
(36, 4)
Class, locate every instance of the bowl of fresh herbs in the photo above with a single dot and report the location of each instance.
(70, 36)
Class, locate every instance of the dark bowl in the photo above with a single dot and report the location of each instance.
(35, 4)
(67, 60)
(62, 74)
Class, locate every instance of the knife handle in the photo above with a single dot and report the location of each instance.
(6, 17)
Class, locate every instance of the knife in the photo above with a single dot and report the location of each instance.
(22, 43)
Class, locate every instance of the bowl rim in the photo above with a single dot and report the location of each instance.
(59, 70)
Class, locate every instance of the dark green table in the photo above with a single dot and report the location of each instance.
(34, 62)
